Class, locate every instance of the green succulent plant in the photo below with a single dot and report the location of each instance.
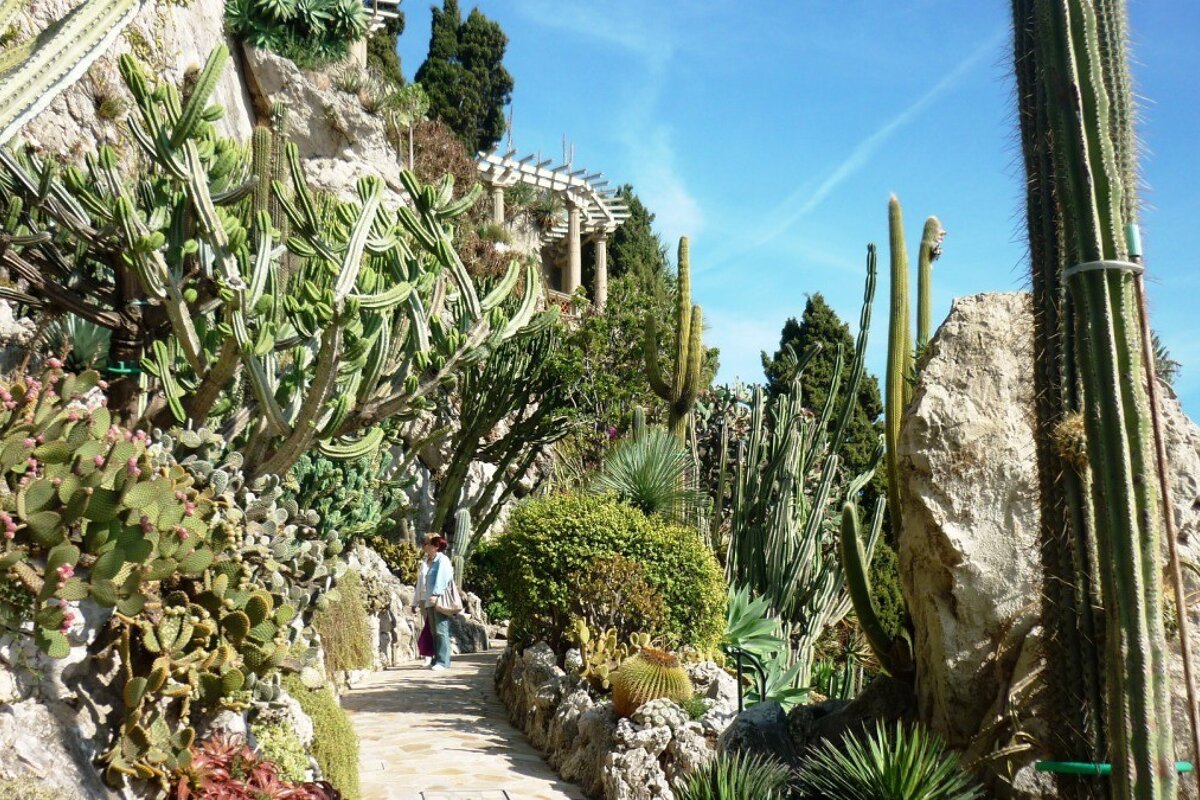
(888, 763)
(649, 674)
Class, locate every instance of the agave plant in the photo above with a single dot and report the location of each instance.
(651, 472)
(85, 342)
(309, 32)
(888, 764)
(737, 776)
(755, 639)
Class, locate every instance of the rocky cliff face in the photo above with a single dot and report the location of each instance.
(969, 557)
(338, 139)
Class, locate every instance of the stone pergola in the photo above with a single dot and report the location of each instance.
(593, 211)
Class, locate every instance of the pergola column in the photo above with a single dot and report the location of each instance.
(600, 290)
(574, 275)
(497, 204)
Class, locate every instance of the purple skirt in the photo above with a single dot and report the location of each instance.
(425, 640)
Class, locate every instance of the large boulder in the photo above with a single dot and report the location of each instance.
(762, 728)
(969, 553)
(969, 558)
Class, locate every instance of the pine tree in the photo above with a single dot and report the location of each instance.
(464, 75)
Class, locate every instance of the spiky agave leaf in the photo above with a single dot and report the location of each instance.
(737, 776)
(890, 763)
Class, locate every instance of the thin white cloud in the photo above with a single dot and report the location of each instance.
(806, 198)
(652, 164)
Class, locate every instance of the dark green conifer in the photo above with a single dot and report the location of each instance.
(464, 75)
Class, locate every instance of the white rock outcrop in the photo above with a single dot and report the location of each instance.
(171, 38)
(969, 552)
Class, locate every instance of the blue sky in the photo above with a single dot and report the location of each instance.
(772, 133)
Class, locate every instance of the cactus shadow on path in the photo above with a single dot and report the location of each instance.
(425, 735)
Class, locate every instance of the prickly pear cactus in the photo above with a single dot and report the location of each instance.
(602, 653)
(208, 577)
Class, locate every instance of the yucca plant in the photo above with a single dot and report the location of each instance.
(737, 776)
(651, 472)
(891, 763)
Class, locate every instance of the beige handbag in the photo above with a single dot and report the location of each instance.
(450, 601)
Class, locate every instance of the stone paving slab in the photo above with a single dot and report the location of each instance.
(445, 736)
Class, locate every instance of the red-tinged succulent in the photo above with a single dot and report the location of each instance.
(224, 768)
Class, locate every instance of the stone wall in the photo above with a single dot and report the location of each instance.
(638, 758)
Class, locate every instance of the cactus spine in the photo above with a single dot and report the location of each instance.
(680, 393)
(1074, 93)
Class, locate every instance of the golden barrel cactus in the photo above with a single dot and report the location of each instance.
(649, 675)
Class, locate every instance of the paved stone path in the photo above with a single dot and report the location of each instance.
(445, 736)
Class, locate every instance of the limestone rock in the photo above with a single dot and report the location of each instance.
(762, 728)
(170, 38)
(394, 627)
(969, 554)
(637, 758)
(338, 139)
(38, 744)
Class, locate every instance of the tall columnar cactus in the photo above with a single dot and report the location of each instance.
(680, 393)
(901, 365)
(1077, 137)
(931, 249)
(369, 311)
(898, 390)
(36, 71)
(892, 653)
(787, 490)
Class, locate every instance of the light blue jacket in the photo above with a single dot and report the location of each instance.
(441, 572)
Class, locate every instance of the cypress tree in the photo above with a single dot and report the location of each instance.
(464, 75)
(381, 50)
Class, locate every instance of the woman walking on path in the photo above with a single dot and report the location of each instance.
(420, 596)
(439, 578)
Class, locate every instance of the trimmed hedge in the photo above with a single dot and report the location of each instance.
(549, 541)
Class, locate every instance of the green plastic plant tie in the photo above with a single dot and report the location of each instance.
(1133, 237)
(1091, 767)
(1107, 264)
(123, 368)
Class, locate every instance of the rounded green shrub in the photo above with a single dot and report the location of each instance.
(335, 746)
(548, 541)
